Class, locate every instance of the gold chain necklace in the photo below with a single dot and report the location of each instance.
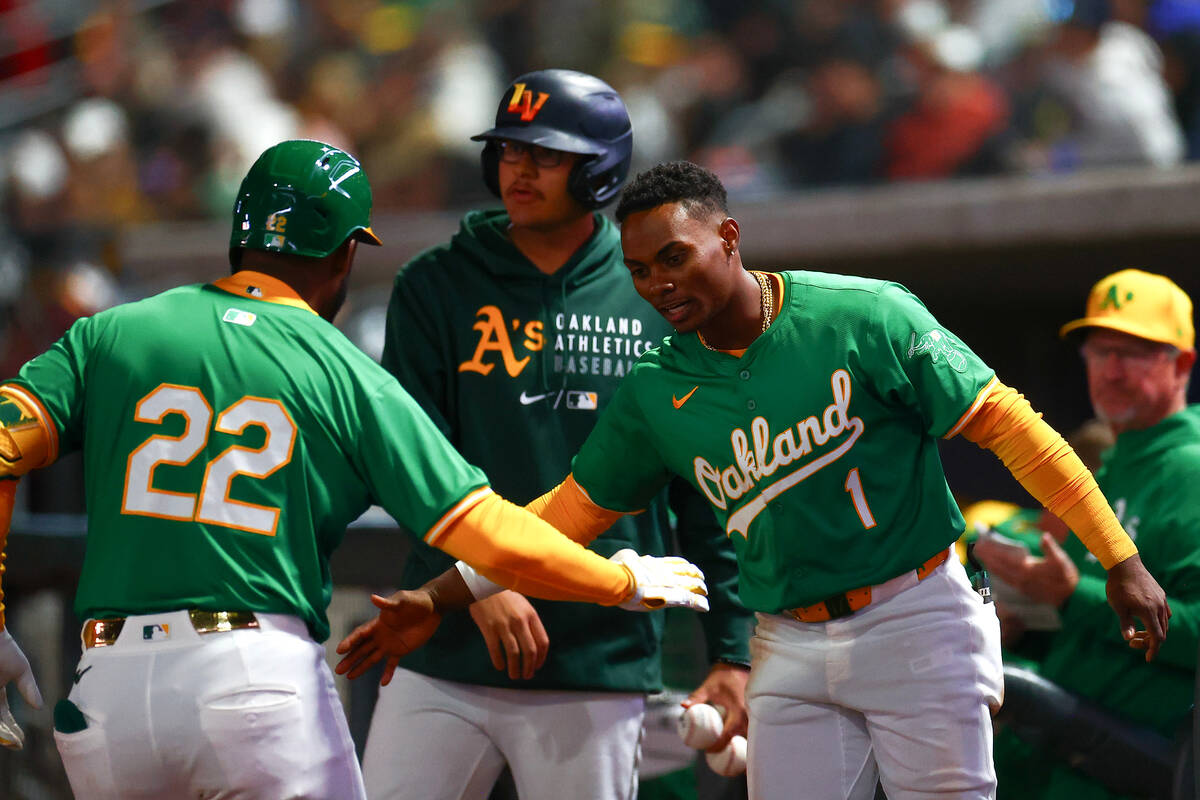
(767, 295)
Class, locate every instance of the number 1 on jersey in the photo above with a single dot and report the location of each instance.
(853, 485)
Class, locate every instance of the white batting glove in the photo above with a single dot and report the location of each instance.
(667, 582)
(14, 667)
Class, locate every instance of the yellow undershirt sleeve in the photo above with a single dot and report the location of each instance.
(1041, 460)
(27, 439)
(568, 508)
(512, 547)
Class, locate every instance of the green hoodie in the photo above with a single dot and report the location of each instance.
(1151, 478)
(514, 366)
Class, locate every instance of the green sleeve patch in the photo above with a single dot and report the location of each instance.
(940, 347)
(12, 414)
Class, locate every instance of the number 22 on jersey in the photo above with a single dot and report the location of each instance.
(212, 504)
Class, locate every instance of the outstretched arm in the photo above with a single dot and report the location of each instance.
(1049, 469)
(515, 549)
(569, 510)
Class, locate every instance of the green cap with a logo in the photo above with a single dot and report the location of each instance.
(1141, 304)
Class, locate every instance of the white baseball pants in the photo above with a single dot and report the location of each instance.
(433, 739)
(901, 690)
(244, 714)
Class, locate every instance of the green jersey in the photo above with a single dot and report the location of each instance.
(228, 440)
(515, 366)
(816, 448)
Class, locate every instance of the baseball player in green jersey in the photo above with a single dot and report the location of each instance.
(229, 434)
(1138, 347)
(806, 408)
(513, 337)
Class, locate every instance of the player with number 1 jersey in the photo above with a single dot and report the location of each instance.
(816, 448)
(806, 408)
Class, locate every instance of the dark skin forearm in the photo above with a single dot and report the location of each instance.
(449, 592)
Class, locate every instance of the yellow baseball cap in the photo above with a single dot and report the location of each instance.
(1141, 304)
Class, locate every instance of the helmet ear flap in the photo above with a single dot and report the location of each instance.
(489, 160)
(596, 180)
(579, 184)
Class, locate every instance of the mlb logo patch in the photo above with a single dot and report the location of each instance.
(156, 633)
(239, 317)
(581, 401)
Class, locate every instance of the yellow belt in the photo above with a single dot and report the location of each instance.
(846, 603)
(104, 632)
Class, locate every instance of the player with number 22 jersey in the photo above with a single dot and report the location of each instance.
(229, 435)
(168, 436)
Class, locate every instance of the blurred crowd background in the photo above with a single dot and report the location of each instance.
(115, 113)
(119, 117)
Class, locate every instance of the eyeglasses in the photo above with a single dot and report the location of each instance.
(513, 151)
(1130, 357)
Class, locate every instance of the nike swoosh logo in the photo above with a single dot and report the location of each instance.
(679, 403)
(526, 399)
(79, 672)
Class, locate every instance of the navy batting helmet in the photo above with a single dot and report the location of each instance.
(574, 112)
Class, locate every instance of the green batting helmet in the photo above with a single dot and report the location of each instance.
(304, 198)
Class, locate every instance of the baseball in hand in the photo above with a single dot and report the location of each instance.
(700, 726)
(730, 760)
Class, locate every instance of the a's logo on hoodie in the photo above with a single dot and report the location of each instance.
(493, 337)
(582, 344)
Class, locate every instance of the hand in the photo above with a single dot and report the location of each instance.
(1133, 592)
(725, 686)
(513, 632)
(406, 621)
(665, 582)
(14, 667)
(1049, 579)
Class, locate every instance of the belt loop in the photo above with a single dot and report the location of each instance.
(101, 632)
(838, 606)
(221, 621)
